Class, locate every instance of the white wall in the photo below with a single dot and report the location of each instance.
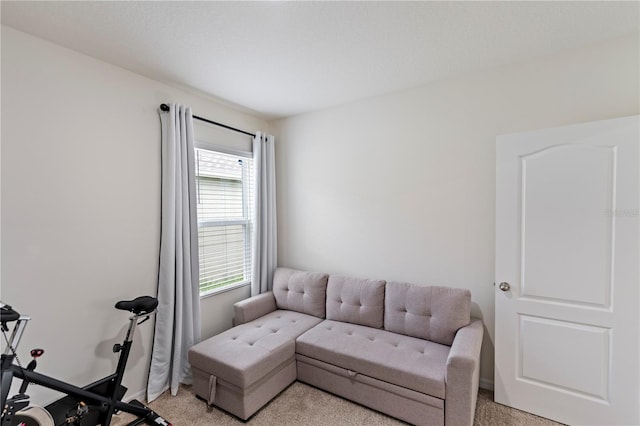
(80, 204)
(402, 186)
(398, 187)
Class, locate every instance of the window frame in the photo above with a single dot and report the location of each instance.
(248, 222)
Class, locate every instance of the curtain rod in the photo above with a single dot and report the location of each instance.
(165, 107)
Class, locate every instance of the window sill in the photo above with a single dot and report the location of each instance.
(224, 289)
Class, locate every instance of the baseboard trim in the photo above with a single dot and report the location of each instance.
(486, 384)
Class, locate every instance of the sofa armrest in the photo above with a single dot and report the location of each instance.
(253, 307)
(462, 376)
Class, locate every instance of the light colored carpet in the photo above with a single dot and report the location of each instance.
(301, 404)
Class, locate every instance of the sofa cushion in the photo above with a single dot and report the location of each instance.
(246, 353)
(433, 313)
(405, 361)
(300, 291)
(355, 300)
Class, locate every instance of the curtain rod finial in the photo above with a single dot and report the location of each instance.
(164, 107)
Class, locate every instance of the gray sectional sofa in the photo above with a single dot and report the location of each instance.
(410, 351)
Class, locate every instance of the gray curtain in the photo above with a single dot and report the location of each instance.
(265, 243)
(178, 318)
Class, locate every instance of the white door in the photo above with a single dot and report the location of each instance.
(567, 237)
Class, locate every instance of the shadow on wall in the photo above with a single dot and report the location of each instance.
(104, 349)
(487, 344)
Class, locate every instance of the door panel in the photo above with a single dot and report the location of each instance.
(566, 191)
(589, 344)
(567, 228)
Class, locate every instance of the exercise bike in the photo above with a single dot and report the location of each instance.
(92, 405)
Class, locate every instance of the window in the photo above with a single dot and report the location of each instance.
(224, 184)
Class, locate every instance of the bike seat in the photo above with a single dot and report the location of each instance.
(7, 314)
(139, 305)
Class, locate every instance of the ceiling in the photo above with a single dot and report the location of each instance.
(285, 58)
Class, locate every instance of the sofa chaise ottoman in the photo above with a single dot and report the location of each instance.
(243, 368)
(410, 351)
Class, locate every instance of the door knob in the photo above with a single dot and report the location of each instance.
(504, 286)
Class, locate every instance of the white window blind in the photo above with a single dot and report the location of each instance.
(225, 213)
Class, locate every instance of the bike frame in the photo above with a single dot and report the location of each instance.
(108, 401)
(8, 356)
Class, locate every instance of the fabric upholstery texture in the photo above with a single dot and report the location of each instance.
(300, 291)
(423, 367)
(356, 301)
(463, 375)
(427, 312)
(413, 363)
(248, 352)
(253, 308)
(413, 407)
(244, 402)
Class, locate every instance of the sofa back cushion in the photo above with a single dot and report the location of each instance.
(354, 300)
(432, 313)
(300, 291)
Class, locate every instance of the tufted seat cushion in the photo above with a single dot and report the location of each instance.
(405, 361)
(300, 291)
(355, 300)
(246, 353)
(433, 313)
